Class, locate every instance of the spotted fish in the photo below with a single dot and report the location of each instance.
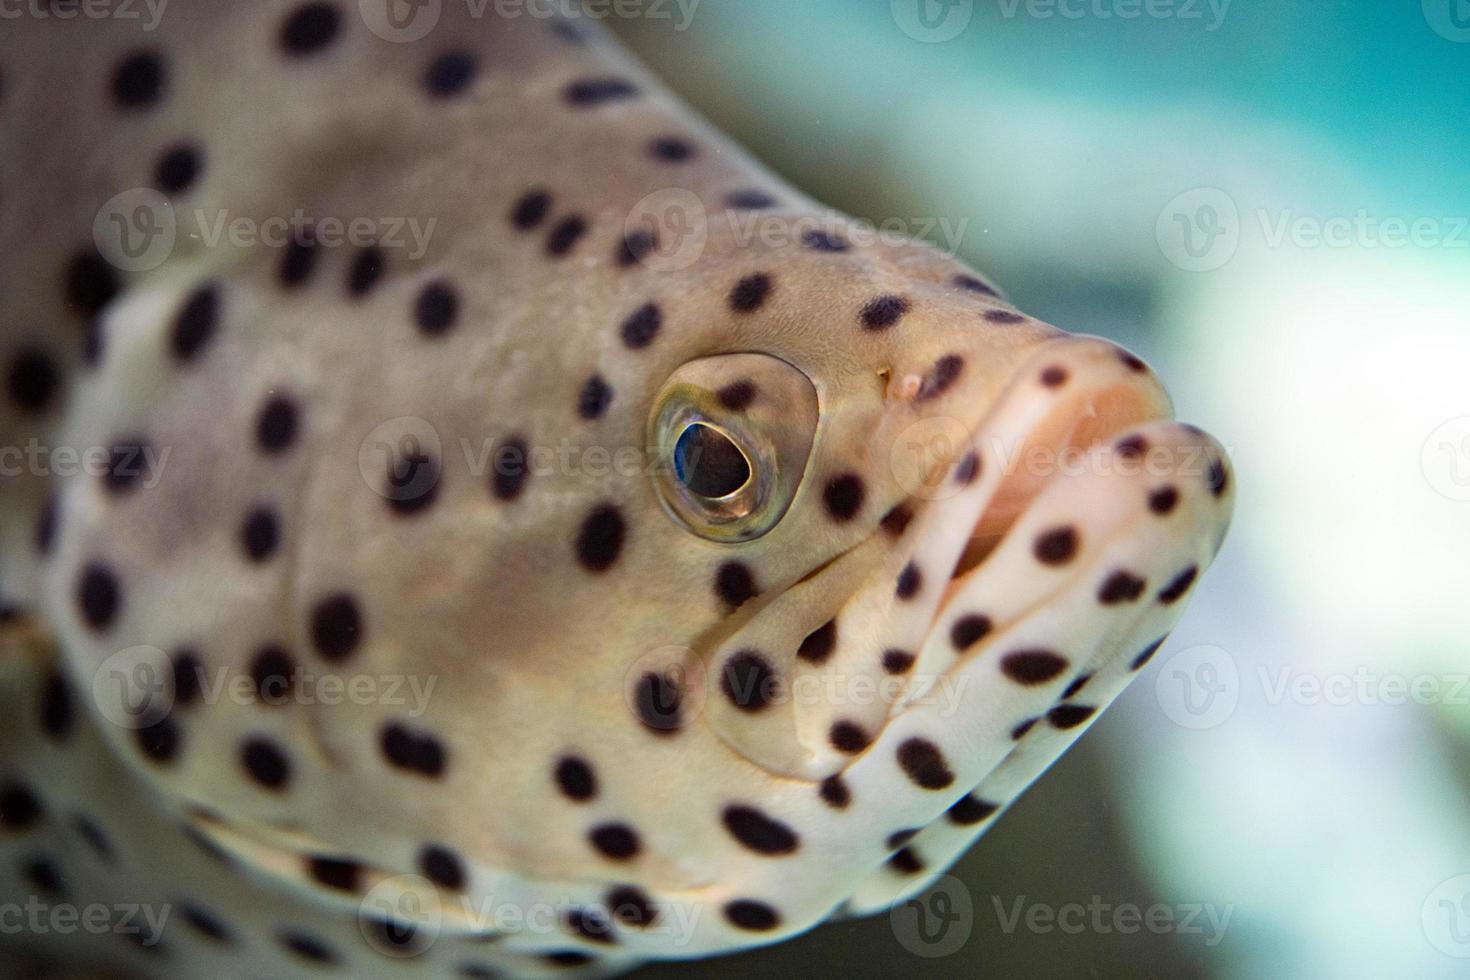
(441, 539)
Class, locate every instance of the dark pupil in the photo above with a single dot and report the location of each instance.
(708, 463)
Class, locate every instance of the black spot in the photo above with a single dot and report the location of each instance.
(204, 922)
(969, 630)
(1076, 686)
(436, 308)
(395, 933)
(1180, 584)
(264, 762)
(1032, 667)
(1057, 546)
(737, 396)
(896, 521)
(631, 906)
(565, 234)
(658, 699)
(139, 80)
(32, 380)
(898, 661)
(1146, 654)
(671, 149)
(819, 643)
(1163, 500)
(642, 327)
(970, 810)
(590, 92)
(160, 741)
(450, 74)
(734, 583)
(1217, 479)
(339, 873)
(19, 808)
(759, 832)
(260, 534)
(307, 947)
(1132, 447)
(188, 676)
(275, 427)
(196, 322)
(576, 779)
(600, 540)
(90, 283)
(1054, 376)
(443, 867)
(45, 875)
(1132, 362)
(883, 312)
(412, 482)
(843, 496)
(910, 581)
(974, 285)
(93, 342)
(751, 915)
(906, 861)
(365, 271)
(510, 469)
(56, 706)
(179, 168)
(634, 247)
(849, 737)
(615, 840)
(95, 838)
(126, 462)
(568, 957)
(1006, 317)
(591, 925)
(309, 28)
(336, 627)
(748, 681)
(298, 262)
(593, 399)
(530, 210)
(98, 596)
(1120, 587)
(750, 293)
(924, 764)
(750, 200)
(834, 792)
(1065, 716)
(824, 241)
(413, 751)
(274, 674)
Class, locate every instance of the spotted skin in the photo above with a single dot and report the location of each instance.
(373, 466)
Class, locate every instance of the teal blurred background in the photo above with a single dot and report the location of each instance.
(1269, 201)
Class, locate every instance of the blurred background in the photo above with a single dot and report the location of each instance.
(1269, 200)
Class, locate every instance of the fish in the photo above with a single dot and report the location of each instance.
(465, 517)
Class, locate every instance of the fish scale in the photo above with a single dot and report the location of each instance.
(587, 735)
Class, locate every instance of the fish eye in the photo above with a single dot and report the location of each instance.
(727, 468)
